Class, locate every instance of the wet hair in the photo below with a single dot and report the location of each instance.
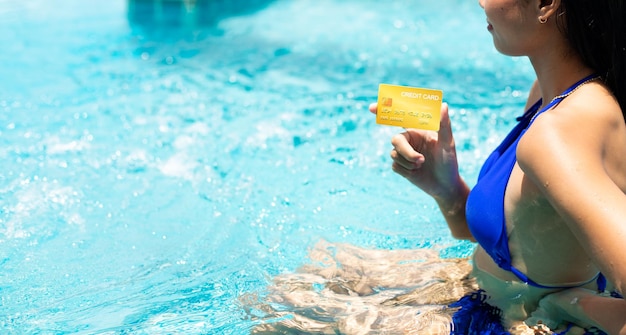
(596, 29)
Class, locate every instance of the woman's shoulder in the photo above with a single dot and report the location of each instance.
(590, 114)
(592, 105)
(585, 128)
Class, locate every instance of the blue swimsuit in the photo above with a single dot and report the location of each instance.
(485, 204)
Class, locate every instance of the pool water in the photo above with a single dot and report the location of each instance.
(154, 172)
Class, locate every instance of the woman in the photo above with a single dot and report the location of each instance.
(549, 208)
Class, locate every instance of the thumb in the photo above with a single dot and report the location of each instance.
(445, 126)
(373, 107)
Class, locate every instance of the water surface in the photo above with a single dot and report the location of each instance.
(153, 174)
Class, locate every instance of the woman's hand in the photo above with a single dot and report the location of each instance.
(428, 158)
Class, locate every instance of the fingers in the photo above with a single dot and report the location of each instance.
(404, 154)
(401, 170)
(373, 107)
(406, 146)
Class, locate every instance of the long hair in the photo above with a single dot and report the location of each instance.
(596, 29)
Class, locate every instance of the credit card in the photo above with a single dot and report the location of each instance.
(409, 107)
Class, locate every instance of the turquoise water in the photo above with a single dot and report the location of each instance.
(153, 174)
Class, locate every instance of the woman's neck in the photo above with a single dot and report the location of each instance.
(555, 72)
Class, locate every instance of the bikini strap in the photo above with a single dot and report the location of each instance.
(524, 278)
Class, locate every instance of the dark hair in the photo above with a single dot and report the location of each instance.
(596, 30)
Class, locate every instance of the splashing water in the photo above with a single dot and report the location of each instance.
(153, 175)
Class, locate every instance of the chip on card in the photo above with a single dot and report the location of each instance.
(409, 107)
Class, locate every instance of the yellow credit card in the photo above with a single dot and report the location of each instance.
(409, 107)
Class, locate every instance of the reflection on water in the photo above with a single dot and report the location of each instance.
(350, 290)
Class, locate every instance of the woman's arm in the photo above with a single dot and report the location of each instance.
(605, 313)
(565, 154)
(581, 307)
(565, 159)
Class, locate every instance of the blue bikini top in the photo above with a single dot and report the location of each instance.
(485, 203)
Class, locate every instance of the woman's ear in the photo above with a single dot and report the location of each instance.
(547, 9)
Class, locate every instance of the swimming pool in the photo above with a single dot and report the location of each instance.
(153, 174)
